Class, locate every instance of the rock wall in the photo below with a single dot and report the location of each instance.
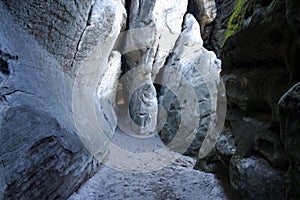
(257, 42)
(43, 47)
(191, 80)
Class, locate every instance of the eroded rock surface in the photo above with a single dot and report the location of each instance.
(192, 75)
(156, 26)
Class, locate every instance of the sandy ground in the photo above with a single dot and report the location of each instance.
(177, 181)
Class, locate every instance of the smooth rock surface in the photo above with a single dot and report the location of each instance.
(42, 47)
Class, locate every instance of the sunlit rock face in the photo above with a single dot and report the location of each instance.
(191, 79)
(156, 26)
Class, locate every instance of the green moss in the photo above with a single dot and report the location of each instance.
(237, 18)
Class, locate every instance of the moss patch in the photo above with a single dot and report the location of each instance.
(237, 18)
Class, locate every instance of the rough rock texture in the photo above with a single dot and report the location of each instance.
(254, 178)
(257, 42)
(159, 37)
(191, 79)
(156, 25)
(42, 47)
(39, 158)
(214, 32)
(59, 71)
(289, 111)
(220, 155)
(205, 11)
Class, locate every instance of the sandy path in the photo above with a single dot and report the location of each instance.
(176, 181)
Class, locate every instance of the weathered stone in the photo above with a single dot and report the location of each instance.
(225, 148)
(252, 114)
(164, 19)
(156, 26)
(192, 75)
(257, 41)
(44, 46)
(106, 94)
(48, 21)
(214, 32)
(40, 159)
(289, 111)
(247, 41)
(254, 178)
(205, 11)
(92, 65)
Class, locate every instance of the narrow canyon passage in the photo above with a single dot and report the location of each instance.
(149, 99)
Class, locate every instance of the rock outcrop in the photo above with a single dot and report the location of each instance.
(159, 44)
(71, 72)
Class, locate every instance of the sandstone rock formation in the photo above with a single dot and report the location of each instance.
(153, 39)
(205, 11)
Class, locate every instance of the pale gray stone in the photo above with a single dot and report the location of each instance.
(43, 47)
(157, 27)
(192, 75)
